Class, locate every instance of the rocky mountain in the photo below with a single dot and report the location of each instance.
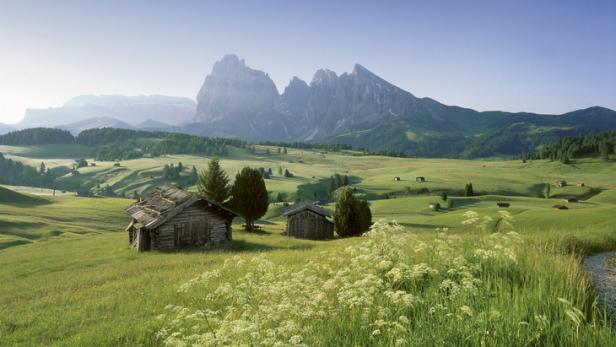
(364, 110)
(94, 123)
(133, 110)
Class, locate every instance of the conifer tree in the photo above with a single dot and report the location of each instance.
(213, 182)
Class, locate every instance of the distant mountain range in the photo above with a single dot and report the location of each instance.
(361, 109)
(131, 110)
(357, 108)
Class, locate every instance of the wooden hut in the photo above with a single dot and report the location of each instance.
(434, 206)
(503, 204)
(561, 184)
(170, 218)
(308, 221)
(420, 179)
(560, 207)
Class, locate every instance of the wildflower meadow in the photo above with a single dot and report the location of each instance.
(395, 288)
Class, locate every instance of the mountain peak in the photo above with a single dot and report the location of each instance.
(323, 77)
(358, 69)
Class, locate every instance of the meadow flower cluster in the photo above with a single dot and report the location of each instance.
(389, 289)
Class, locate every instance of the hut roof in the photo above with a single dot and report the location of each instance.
(167, 201)
(301, 206)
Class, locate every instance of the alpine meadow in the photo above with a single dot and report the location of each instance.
(344, 210)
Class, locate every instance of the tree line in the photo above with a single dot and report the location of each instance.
(13, 172)
(37, 136)
(590, 146)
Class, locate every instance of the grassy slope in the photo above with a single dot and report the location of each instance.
(73, 280)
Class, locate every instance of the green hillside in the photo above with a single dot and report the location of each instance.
(70, 278)
(10, 197)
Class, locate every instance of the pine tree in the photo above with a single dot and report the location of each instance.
(194, 176)
(249, 196)
(42, 168)
(468, 190)
(444, 196)
(280, 171)
(284, 150)
(546, 191)
(213, 182)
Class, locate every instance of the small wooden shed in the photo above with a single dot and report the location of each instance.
(308, 221)
(503, 204)
(420, 179)
(561, 184)
(435, 206)
(170, 218)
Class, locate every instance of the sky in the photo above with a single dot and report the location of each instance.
(539, 56)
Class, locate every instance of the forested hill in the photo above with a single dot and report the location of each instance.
(601, 145)
(37, 136)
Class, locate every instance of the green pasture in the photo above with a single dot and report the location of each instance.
(69, 278)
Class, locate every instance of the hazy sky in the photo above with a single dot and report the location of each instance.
(541, 56)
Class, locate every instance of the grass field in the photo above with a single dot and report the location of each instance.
(69, 278)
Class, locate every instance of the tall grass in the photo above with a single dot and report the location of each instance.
(395, 289)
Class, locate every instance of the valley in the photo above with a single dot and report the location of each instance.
(70, 278)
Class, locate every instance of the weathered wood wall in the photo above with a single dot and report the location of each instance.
(195, 226)
(309, 225)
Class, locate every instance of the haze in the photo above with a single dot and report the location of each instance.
(548, 57)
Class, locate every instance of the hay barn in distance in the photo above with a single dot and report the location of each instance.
(308, 221)
(170, 218)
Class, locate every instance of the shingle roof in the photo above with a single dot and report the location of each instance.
(302, 205)
(167, 201)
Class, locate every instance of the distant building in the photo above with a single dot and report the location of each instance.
(561, 184)
(171, 218)
(308, 221)
(502, 204)
(435, 206)
(420, 179)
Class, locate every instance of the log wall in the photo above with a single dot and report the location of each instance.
(309, 225)
(195, 226)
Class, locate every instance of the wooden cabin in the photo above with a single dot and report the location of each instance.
(434, 206)
(503, 204)
(170, 218)
(397, 178)
(308, 221)
(420, 179)
(561, 184)
(560, 207)
(571, 200)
